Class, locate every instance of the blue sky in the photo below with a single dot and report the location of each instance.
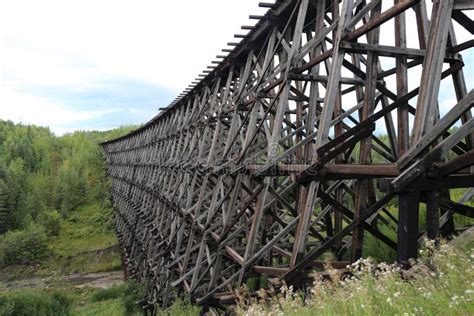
(117, 101)
(90, 64)
(75, 65)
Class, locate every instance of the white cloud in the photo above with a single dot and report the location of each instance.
(78, 43)
(66, 130)
(28, 109)
(164, 42)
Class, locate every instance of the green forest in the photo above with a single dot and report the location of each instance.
(44, 179)
(56, 220)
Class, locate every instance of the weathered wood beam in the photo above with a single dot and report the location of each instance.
(251, 172)
(441, 126)
(398, 8)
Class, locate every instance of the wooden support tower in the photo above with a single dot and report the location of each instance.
(328, 122)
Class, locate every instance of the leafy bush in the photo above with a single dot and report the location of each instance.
(182, 307)
(110, 293)
(51, 221)
(34, 303)
(133, 294)
(40, 171)
(130, 292)
(24, 245)
(103, 219)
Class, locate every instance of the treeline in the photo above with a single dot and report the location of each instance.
(44, 178)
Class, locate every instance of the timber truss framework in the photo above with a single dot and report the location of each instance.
(296, 145)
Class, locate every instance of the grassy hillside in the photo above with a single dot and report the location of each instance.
(56, 221)
(54, 203)
(86, 243)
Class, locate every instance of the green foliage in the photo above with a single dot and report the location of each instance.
(83, 245)
(130, 292)
(109, 294)
(133, 294)
(51, 221)
(109, 308)
(84, 230)
(3, 208)
(440, 283)
(40, 173)
(32, 303)
(23, 246)
(182, 308)
(54, 205)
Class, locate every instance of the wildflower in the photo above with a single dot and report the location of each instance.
(469, 292)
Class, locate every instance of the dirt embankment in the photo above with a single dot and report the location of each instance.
(45, 274)
(100, 280)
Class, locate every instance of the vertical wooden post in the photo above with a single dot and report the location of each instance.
(402, 84)
(426, 108)
(365, 157)
(408, 212)
(432, 215)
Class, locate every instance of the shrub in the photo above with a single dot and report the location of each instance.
(51, 221)
(108, 294)
(133, 293)
(130, 292)
(24, 245)
(34, 303)
(182, 307)
(103, 219)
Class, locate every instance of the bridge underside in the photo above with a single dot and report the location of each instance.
(330, 125)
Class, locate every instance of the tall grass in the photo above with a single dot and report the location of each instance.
(129, 292)
(35, 303)
(440, 283)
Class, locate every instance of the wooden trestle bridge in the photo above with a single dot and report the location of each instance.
(328, 123)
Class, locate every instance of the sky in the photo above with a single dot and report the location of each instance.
(85, 64)
(82, 65)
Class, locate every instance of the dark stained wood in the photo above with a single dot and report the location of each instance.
(408, 211)
(285, 150)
